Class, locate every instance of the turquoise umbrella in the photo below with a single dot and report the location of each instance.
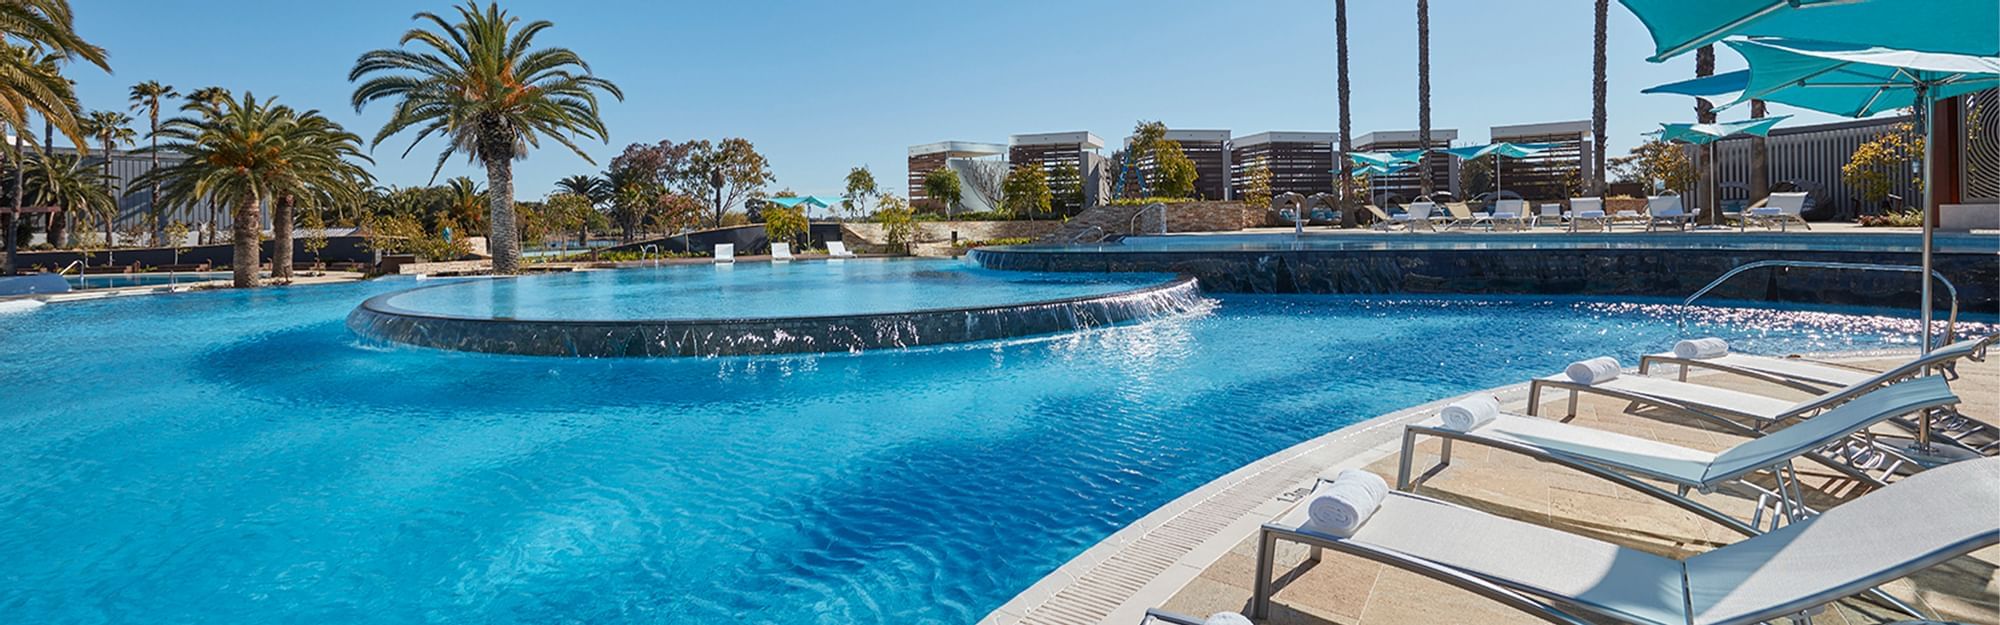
(1948, 26)
(1708, 134)
(1497, 150)
(1859, 80)
(1385, 159)
(1705, 86)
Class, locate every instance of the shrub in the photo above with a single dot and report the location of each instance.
(898, 226)
(1911, 218)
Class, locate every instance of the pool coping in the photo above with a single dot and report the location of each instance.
(378, 319)
(1145, 563)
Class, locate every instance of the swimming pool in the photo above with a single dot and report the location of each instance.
(240, 457)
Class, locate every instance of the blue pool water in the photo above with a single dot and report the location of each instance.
(124, 280)
(240, 457)
(760, 290)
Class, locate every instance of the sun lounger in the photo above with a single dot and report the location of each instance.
(1422, 213)
(1780, 209)
(781, 252)
(1509, 213)
(1822, 377)
(1561, 577)
(1385, 221)
(1620, 458)
(838, 249)
(1157, 616)
(1551, 214)
(1666, 210)
(1589, 210)
(725, 252)
(1463, 215)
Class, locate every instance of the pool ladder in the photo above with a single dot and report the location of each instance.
(1950, 325)
(1133, 226)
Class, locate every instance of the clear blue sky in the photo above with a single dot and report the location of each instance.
(823, 86)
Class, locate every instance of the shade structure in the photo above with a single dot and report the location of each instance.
(1705, 86)
(1946, 26)
(1703, 134)
(809, 200)
(1497, 150)
(1386, 158)
(1855, 80)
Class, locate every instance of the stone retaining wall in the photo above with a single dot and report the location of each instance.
(1180, 217)
(872, 234)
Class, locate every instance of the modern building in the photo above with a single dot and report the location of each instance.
(930, 157)
(1059, 153)
(1406, 185)
(1557, 173)
(1208, 149)
(1300, 162)
(135, 200)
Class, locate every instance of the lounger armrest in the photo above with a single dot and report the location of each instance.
(1156, 615)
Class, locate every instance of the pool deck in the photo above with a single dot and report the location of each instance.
(1197, 554)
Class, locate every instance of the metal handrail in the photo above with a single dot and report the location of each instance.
(1951, 322)
(1133, 225)
(1101, 233)
(78, 264)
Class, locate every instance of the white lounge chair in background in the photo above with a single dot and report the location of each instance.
(1509, 213)
(1423, 213)
(1781, 209)
(1552, 213)
(1560, 577)
(725, 252)
(1588, 209)
(838, 249)
(781, 252)
(1666, 210)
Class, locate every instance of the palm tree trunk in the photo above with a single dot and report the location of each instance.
(244, 262)
(13, 245)
(153, 195)
(1760, 158)
(1424, 177)
(1597, 94)
(113, 216)
(1704, 112)
(281, 238)
(1346, 182)
(501, 240)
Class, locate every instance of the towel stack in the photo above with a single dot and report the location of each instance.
(1593, 371)
(1226, 618)
(1703, 348)
(1340, 507)
(1468, 414)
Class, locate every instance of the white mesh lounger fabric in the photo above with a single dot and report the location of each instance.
(1877, 538)
(1796, 370)
(1613, 456)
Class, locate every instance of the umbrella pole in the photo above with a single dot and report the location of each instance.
(1929, 105)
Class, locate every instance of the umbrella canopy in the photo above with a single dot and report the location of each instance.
(1385, 159)
(810, 200)
(1947, 26)
(1509, 150)
(1856, 80)
(1702, 134)
(1377, 170)
(1705, 86)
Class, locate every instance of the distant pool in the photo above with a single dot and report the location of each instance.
(127, 280)
(241, 457)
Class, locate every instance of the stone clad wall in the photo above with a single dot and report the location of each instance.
(1181, 217)
(940, 231)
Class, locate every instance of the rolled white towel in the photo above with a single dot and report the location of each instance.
(1468, 414)
(1593, 371)
(1710, 347)
(1226, 618)
(1341, 506)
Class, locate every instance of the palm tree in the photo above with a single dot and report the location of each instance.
(110, 129)
(325, 175)
(593, 188)
(243, 153)
(73, 184)
(1424, 96)
(494, 95)
(211, 95)
(1760, 156)
(1597, 93)
(1704, 112)
(148, 96)
(1346, 180)
(463, 201)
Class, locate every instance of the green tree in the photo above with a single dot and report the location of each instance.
(322, 173)
(1066, 189)
(1656, 162)
(899, 225)
(464, 201)
(486, 87)
(860, 187)
(1257, 184)
(1475, 176)
(35, 36)
(1872, 167)
(109, 129)
(1027, 190)
(784, 223)
(942, 186)
(148, 96)
(75, 185)
(242, 154)
(570, 212)
(592, 188)
(1176, 172)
